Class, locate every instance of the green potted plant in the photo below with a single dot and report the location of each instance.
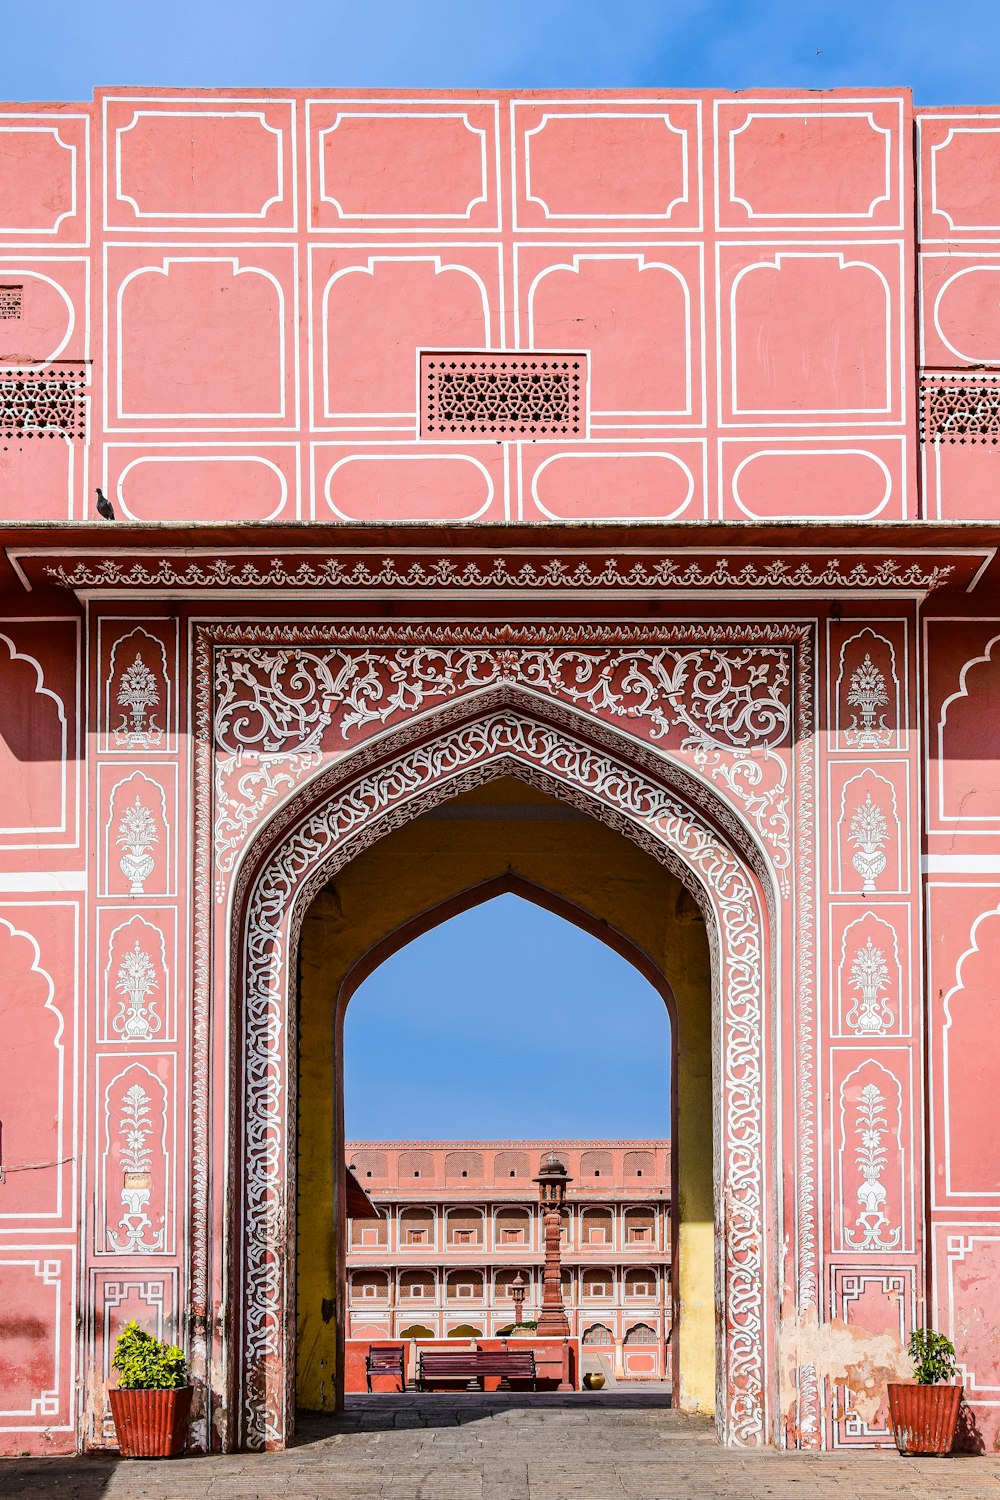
(152, 1401)
(924, 1415)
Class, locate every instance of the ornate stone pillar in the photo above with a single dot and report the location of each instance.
(552, 1183)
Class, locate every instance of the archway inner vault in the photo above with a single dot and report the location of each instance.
(503, 836)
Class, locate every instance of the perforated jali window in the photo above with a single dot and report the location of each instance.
(960, 408)
(10, 301)
(47, 402)
(502, 395)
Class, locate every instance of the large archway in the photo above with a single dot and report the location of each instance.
(504, 837)
(679, 821)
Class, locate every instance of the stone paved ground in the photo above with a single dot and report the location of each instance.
(579, 1447)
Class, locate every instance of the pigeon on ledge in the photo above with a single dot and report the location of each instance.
(104, 506)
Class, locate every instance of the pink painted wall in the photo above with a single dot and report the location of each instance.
(245, 281)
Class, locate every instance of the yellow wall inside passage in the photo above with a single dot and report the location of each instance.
(517, 832)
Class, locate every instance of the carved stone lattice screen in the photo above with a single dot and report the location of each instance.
(48, 402)
(501, 395)
(960, 408)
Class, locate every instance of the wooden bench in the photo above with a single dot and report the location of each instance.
(386, 1359)
(474, 1364)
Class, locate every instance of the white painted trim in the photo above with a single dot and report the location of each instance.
(25, 881)
(960, 864)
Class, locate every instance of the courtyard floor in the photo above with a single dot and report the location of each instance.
(506, 1447)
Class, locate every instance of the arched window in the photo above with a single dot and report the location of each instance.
(597, 1226)
(467, 1284)
(598, 1282)
(421, 1284)
(641, 1283)
(511, 1164)
(464, 1226)
(413, 1164)
(596, 1164)
(597, 1334)
(416, 1225)
(370, 1164)
(461, 1165)
(373, 1285)
(512, 1226)
(641, 1333)
(640, 1225)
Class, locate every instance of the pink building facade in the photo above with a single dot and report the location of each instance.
(460, 1220)
(643, 447)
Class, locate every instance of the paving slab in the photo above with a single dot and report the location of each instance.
(613, 1446)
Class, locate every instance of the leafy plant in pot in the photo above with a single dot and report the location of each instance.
(152, 1401)
(924, 1415)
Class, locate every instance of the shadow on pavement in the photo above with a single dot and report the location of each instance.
(364, 1413)
(83, 1478)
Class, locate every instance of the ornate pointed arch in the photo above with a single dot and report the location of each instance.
(350, 805)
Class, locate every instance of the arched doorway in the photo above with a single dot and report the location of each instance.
(504, 1031)
(586, 874)
(673, 817)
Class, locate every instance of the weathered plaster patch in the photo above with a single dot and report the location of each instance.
(843, 1354)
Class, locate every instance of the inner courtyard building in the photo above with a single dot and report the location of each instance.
(458, 1236)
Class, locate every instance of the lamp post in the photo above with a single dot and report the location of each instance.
(552, 1180)
(518, 1287)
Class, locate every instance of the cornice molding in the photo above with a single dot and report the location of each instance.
(453, 575)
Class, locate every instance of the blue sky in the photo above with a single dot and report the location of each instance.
(61, 49)
(429, 1039)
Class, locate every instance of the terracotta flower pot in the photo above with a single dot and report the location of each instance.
(924, 1417)
(151, 1424)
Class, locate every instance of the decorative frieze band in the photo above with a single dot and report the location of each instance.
(573, 573)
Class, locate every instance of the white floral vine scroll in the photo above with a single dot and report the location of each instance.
(871, 1230)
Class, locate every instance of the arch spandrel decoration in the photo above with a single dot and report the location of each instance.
(672, 811)
(718, 704)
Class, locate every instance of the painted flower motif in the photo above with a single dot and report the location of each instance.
(868, 693)
(137, 828)
(136, 981)
(138, 693)
(507, 665)
(135, 1233)
(868, 825)
(871, 1231)
(869, 976)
